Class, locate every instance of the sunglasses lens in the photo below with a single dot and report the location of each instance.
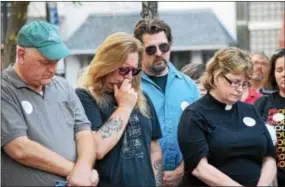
(136, 71)
(150, 50)
(164, 47)
(124, 71)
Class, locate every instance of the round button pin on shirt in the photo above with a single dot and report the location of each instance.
(27, 107)
(184, 104)
(278, 117)
(248, 121)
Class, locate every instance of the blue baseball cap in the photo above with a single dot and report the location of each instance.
(45, 37)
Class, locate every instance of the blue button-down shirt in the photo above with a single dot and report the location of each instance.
(180, 91)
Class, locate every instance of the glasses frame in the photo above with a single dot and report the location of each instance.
(160, 47)
(126, 70)
(237, 85)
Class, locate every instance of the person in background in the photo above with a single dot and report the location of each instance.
(272, 107)
(250, 95)
(224, 142)
(170, 91)
(124, 122)
(195, 71)
(260, 71)
(45, 134)
(258, 79)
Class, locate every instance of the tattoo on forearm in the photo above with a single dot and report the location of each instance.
(110, 127)
(157, 165)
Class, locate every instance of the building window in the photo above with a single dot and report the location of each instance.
(266, 11)
(264, 41)
(180, 58)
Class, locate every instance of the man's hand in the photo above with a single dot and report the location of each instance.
(126, 96)
(173, 178)
(83, 177)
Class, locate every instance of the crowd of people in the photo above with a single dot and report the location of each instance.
(134, 119)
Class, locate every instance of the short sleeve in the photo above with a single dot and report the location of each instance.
(260, 105)
(90, 107)
(156, 130)
(191, 138)
(13, 123)
(270, 148)
(81, 121)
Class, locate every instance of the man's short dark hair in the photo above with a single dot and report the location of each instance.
(152, 26)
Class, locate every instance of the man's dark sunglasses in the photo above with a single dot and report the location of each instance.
(126, 70)
(151, 50)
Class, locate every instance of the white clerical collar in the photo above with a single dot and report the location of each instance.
(228, 107)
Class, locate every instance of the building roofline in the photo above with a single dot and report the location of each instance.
(174, 49)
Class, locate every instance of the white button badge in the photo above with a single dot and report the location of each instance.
(184, 104)
(248, 121)
(27, 107)
(278, 117)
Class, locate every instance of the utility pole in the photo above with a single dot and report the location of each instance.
(4, 20)
(4, 25)
(52, 13)
(53, 18)
(149, 9)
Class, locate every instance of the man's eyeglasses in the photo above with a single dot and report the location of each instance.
(151, 50)
(237, 84)
(126, 70)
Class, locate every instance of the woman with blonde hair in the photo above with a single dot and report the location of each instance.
(124, 123)
(224, 142)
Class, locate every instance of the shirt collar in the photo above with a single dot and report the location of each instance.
(174, 71)
(14, 78)
(223, 106)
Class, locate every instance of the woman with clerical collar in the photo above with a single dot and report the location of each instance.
(224, 142)
(272, 107)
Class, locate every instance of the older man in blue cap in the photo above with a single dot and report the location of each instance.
(46, 136)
